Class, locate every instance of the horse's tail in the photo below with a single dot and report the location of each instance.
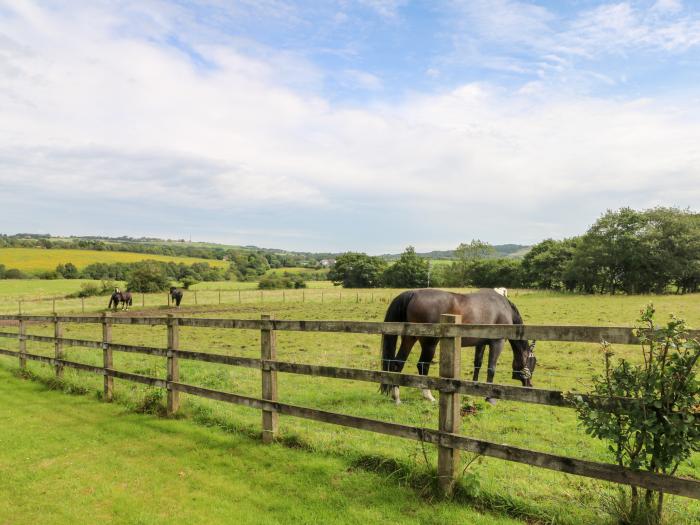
(395, 313)
(131, 300)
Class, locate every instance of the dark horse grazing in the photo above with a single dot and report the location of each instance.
(176, 295)
(120, 297)
(482, 307)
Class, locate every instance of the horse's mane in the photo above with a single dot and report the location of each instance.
(517, 318)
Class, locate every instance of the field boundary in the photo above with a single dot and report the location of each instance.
(446, 438)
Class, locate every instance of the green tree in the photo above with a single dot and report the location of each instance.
(357, 270)
(148, 276)
(546, 264)
(410, 271)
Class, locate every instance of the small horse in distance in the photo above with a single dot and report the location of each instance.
(120, 297)
(176, 295)
(482, 307)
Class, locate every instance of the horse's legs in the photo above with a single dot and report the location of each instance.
(495, 349)
(478, 359)
(396, 365)
(428, 345)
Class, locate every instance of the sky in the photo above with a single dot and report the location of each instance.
(364, 125)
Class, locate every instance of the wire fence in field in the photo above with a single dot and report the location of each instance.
(197, 298)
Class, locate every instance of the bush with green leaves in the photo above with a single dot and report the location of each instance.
(278, 282)
(148, 277)
(660, 427)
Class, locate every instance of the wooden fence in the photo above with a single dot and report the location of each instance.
(447, 437)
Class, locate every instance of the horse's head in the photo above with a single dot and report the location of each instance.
(524, 361)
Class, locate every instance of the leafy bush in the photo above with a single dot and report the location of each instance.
(148, 277)
(93, 289)
(277, 282)
(14, 273)
(660, 428)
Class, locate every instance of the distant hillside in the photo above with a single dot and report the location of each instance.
(502, 250)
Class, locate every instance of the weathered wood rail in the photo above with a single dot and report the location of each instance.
(447, 437)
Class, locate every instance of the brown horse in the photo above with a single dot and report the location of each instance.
(482, 307)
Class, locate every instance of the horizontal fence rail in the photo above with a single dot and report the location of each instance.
(581, 334)
(444, 438)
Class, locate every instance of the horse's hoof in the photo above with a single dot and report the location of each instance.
(427, 394)
(491, 401)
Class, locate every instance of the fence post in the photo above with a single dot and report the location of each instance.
(58, 345)
(219, 295)
(22, 332)
(268, 350)
(239, 296)
(143, 299)
(20, 306)
(303, 296)
(167, 298)
(53, 307)
(173, 364)
(449, 417)
(195, 297)
(107, 361)
(261, 296)
(82, 304)
(321, 296)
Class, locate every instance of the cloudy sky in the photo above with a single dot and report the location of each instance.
(349, 124)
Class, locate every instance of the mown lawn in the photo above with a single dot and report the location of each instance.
(72, 459)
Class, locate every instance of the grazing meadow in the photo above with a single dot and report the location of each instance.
(501, 488)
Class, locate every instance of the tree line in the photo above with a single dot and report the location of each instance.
(624, 251)
(273, 258)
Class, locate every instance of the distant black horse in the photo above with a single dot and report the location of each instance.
(120, 297)
(482, 307)
(176, 295)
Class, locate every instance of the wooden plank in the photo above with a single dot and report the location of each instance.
(592, 334)
(11, 353)
(22, 338)
(12, 335)
(268, 350)
(173, 366)
(449, 413)
(247, 362)
(107, 359)
(58, 345)
(603, 471)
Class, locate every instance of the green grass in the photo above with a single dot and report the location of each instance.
(69, 459)
(35, 260)
(519, 489)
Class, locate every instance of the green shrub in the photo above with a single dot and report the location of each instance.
(659, 429)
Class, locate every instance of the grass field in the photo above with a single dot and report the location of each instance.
(100, 463)
(517, 490)
(35, 260)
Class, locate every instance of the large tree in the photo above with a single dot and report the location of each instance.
(357, 270)
(410, 271)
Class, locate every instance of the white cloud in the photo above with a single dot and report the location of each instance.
(89, 112)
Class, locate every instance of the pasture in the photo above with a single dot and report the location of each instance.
(35, 260)
(509, 489)
(102, 463)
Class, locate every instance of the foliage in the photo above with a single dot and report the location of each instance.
(68, 271)
(277, 282)
(14, 273)
(90, 289)
(410, 271)
(148, 277)
(660, 429)
(188, 281)
(357, 270)
(546, 264)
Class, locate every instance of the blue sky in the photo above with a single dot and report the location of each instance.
(349, 125)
